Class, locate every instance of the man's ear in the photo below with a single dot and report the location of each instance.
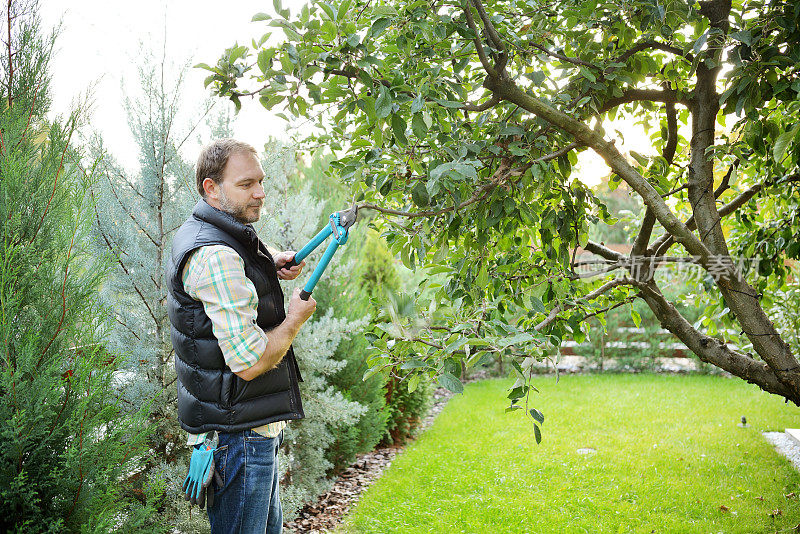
(211, 188)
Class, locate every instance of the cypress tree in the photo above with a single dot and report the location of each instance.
(136, 215)
(65, 442)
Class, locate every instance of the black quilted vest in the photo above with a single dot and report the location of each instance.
(210, 395)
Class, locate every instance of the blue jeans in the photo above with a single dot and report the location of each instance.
(248, 500)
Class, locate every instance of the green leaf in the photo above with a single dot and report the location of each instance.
(518, 368)
(417, 104)
(448, 103)
(522, 337)
(237, 53)
(637, 319)
(588, 74)
(743, 36)
(640, 159)
(418, 126)
(536, 414)
(433, 186)
(413, 364)
(698, 45)
(261, 16)
(441, 170)
(781, 144)
(384, 11)
(465, 169)
(537, 433)
(536, 304)
(343, 7)
(286, 64)
(413, 382)
(427, 118)
(455, 345)
(446, 380)
(383, 106)
(483, 277)
(263, 60)
(328, 9)
(419, 195)
(379, 26)
(399, 129)
(370, 372)
(353, 40)
(512, 130)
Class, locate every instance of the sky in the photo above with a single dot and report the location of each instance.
(101, 42)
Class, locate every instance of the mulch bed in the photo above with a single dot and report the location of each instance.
(329, 510)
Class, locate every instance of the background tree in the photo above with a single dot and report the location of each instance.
(291, 218)
(348, 296)
(66, 441)
(136, 215)
(464, 119)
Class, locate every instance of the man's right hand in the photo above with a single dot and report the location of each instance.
(300, 309)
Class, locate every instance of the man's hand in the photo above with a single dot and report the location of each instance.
(281, 337)
(281, 259)
(300, 310)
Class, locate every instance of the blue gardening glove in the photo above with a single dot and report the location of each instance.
(197, 485)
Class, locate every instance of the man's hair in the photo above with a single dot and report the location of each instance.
(213, 158)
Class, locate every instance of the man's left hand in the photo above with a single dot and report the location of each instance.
(281, 259)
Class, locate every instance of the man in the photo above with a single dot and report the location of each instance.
(237, 374)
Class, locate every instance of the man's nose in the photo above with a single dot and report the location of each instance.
(259, 192)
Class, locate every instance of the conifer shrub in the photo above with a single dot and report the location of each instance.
(67, 447)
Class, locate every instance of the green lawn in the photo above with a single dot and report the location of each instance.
(669, 457)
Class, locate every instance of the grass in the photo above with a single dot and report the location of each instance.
(670, 458)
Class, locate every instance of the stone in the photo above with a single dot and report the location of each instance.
(794, 435)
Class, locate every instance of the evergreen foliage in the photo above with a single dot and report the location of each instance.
(289, 222)
(136, 216)
(66, 440)
(347, 295)
(405, 408)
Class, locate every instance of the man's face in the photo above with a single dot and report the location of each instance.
(240, 192)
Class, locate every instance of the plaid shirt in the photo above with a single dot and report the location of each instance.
(215, 276)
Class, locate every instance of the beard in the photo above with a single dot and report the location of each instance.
(241, 212)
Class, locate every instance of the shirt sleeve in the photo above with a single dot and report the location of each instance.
(214, 275)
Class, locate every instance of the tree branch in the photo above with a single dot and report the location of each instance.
(128, 213)
(502, 173)
(494, 37)
(603, 252)
(662, 244)
(613, 307)
(119, 260)
(737, 292)
(614, 159)
(487, 66)
(493, 101)
(562, 57)
(654, 45)
(589, 297)
(711, 350)
(667, 96)
(646, 230)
